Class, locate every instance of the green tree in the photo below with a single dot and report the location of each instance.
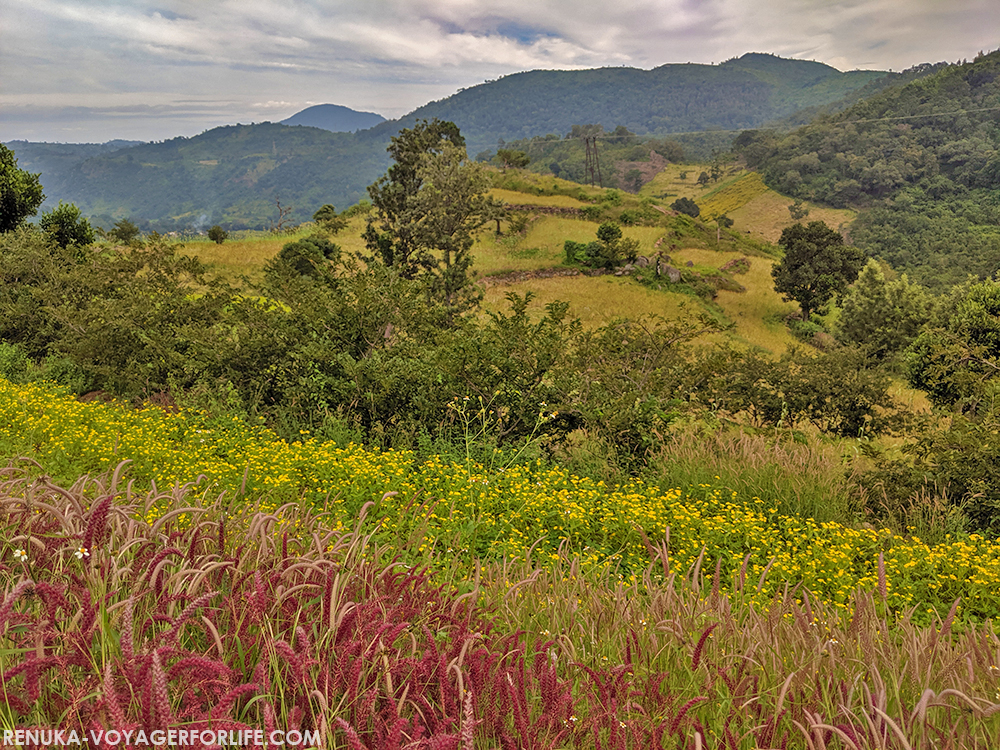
(686, 206)
(882, 315)
(20, 192)
(124, 231)
(427, 209)
(313, 256)
(817, 265)
(509, 158)
(798, 210)
(957, 360)
(721, 222)
(328, 220)
(389, 234)
(217, 234)
(66, 226)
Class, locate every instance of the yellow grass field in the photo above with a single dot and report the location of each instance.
(520, 199)
(766, 216)
(543, 245)
(595, 300)
(758, 313)
(668, 186)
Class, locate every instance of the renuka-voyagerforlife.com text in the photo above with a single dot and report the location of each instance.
(160, 737)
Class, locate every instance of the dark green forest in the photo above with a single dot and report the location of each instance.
(744, 92)
(920, 162)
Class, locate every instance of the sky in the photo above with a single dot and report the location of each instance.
(79, 71)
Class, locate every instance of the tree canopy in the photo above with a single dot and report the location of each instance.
(816, 266)
(20, 192)
(428, 207)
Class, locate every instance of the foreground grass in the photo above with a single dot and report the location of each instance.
(223, 616)
(472, 511)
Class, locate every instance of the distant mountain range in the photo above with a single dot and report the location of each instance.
(335, 118)
(233, 175)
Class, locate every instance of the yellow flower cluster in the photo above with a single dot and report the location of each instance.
(467, 510)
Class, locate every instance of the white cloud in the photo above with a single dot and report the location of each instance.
(391, 56)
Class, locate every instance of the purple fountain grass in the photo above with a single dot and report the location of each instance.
(277, 629)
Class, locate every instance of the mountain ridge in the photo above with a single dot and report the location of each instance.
(233, 175)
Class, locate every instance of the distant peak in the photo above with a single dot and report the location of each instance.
(334, 117)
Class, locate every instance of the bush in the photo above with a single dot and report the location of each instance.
(218, 235)
(14, 362)
(686, 206)
(66, 226)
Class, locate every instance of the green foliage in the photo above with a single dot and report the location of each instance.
(924, 180)
(610, 250)
(124, 232)
(675, 98)
(508, 158)
(66, 226)
(841, 392)
(313, 256)
(882, 316)
(956, 359)
(963, 460)
(124, 318)
(427, 208)
(217, 234)
(623, 380)
(328, 220)
(817, 265)
(798, 210)
(686, 206)
(20, 192)
(14, 362)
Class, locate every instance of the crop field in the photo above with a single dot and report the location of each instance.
(732, 195)
(594, 300)
(758, 313)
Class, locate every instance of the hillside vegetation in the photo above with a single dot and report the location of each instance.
(500, 459)
(234, 175)
(741, 93)
(920, 163)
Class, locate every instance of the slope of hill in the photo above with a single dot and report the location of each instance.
(51, 157)
(922, 161)
(335, 118)
(741, 93)
(231, 175)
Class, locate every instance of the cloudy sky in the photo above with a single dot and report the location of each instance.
(93, 70)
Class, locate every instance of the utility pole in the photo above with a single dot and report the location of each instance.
(593, 164)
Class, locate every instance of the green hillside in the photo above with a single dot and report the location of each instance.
(921, 162)
(230, 175)
(741, 93)
(233, 175)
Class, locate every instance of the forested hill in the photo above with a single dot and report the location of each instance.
(334, 117)
(232, 175)
(921, 161)
(744, 92)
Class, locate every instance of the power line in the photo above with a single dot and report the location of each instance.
(538, 140)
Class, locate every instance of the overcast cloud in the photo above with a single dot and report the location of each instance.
(90, 70)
